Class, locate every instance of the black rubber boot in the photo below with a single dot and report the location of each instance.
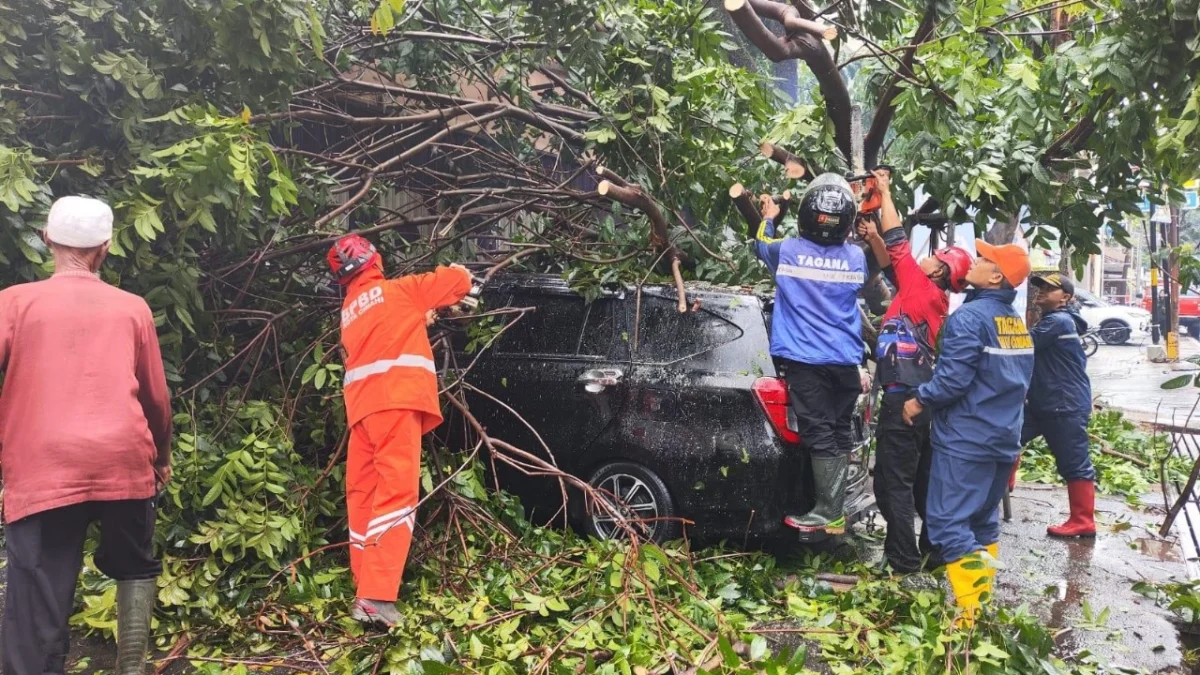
(135, 605)
(829, 481)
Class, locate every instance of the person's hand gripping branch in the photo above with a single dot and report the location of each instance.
(768, 208)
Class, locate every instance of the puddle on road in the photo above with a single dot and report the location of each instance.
(1158, 549)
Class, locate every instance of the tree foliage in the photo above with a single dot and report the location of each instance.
(236, 139)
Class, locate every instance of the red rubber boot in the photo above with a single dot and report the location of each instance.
(1082, 522)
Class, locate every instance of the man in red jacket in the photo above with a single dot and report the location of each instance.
(905, 356)
(85, 435)
(391, 394)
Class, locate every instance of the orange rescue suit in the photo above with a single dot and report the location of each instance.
(391, 393)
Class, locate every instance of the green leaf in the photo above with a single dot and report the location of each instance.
(1177, 382)
(652, 571)
(213, 493)
(476, 647)
(758, 648)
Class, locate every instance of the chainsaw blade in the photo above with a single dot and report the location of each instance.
(857, 161)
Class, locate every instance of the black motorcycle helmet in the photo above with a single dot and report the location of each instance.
(827, 210)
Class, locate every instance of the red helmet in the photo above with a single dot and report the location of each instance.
(349, 256)
(959, 262)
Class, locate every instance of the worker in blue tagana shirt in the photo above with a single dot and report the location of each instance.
(1059, 404)
(816, 335)
(977, 396)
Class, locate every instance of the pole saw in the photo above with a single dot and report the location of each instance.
(863, 182)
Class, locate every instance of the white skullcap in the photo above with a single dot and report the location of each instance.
(79, 222)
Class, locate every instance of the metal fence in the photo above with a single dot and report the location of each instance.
(1181, 498)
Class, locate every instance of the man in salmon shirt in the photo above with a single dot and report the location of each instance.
(391, 392)
(85, 435)
(905, 356)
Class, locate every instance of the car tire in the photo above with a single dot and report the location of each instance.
(1114, 332)
(645, 495)
(1193, 329)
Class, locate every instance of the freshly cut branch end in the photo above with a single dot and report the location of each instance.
(745, 206)
(793, 166)
(608, 175)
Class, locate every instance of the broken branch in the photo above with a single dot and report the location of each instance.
(745, 206)
(790, 17)
(793, 165)
(772, 46)
(635, 197)
(607, 174)
(675, 272)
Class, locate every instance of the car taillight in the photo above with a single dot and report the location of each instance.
(772, 395)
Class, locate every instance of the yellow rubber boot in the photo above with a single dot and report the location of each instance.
(970, 577)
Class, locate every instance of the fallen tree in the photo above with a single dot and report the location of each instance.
(237, 140)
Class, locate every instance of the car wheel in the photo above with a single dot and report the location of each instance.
(640, 496)
(1193, 329)
(1114, 332)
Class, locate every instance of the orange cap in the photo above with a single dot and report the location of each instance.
(1012, 260)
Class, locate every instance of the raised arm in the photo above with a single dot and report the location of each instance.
(766, 246)
(442, 287)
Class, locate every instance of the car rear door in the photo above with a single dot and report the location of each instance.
(556, 377)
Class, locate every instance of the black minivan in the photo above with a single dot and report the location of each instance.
(682, 417)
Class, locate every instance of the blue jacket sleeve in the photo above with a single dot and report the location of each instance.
(956, 364)
(766, 246)
(1051, 328)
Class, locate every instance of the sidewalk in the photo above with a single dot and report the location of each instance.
(1123, 378)
(1056, 577)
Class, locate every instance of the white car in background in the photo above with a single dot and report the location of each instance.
(1117, 324)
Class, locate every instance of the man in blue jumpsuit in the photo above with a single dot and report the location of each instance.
(977, 395)
(816, 334)
(1060, 400)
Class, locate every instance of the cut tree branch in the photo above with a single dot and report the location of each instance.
(803, 45)
(635, 197)
(607, 174)
(793, 165)
(772, 46)
(790, 17)
(745, 205)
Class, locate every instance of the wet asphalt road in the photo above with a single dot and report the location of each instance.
(1122, 377)
(1057, 577)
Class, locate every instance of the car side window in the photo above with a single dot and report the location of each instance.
(600, 332)
(553, 328)
(666, 335)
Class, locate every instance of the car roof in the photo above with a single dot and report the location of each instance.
(556, 284)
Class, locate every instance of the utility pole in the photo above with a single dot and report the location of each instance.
(1173, 286)
(1152, 230)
